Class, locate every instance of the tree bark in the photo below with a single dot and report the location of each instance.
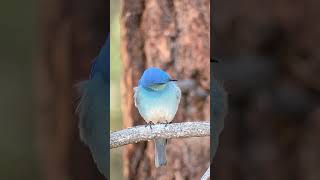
(72, 33)
(172, 35)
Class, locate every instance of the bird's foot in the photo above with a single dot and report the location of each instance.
(149, 124)
(166, 123)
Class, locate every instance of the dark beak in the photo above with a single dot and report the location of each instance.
(173, 80)
(214, 60)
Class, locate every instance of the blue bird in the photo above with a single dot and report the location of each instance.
(157, 97)
(93, 109)
(218, 108)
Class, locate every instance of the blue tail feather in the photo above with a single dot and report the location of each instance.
(160, 152)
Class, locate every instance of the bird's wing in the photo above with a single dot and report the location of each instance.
(219, 105)
(218, 108)
(93, 108)
(93, 68)
(101, 64)
(135, 96)
(178, 93)
(82, 109)
(93, 115)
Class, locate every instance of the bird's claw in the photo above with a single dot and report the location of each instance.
(149, 124)
(166, 123)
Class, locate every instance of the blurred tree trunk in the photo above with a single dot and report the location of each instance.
(272, 77)
(172, 35)
(71, 34)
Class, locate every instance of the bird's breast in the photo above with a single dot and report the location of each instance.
(158, 106)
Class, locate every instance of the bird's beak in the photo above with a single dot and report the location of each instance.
(173, 80)
(213, 60)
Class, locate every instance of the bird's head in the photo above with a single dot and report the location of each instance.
(154, 79)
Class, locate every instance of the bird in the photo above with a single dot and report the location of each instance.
(218, 108)
(157, 98)
(93, 108)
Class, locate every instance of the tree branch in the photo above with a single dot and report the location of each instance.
(142, 133)
(206, 175)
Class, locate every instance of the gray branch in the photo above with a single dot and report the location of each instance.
(142, 133)
(206, 175)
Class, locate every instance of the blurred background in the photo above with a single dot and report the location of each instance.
(46, 48)
(17, 128)
(270, 66)
(115, 91)
(173, 36)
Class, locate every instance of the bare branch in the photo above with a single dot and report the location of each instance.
(142, 133)
(206, 175)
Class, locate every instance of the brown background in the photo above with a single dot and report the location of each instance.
(172, 35)
(270, 67)
(72, 33)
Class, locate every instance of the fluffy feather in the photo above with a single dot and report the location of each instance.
(93, 109)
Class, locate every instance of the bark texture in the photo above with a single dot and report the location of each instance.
(72, 32)
(140, 133)
(173, 35)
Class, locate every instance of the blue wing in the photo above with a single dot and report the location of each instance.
(218, 108)
(93, 109)
(101, 63)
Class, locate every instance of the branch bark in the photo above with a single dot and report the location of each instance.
(206, 175)
(142, 133)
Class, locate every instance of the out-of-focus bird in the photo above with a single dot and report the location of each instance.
(218, 108)
(157, 97)
(93, 109)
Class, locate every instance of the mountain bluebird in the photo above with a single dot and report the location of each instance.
(93, 109)
(218, 108)
(157, 98)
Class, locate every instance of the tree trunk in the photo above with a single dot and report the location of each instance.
(72, 33)
(172, 35)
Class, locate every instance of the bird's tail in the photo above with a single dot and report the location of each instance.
(160, 152)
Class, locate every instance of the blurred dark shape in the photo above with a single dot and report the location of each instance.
(214, 60)
(93, 109)
(270, 67)
(243, 75)
(219, 110)
(71, 35)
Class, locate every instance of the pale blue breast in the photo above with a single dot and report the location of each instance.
(158, 106)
